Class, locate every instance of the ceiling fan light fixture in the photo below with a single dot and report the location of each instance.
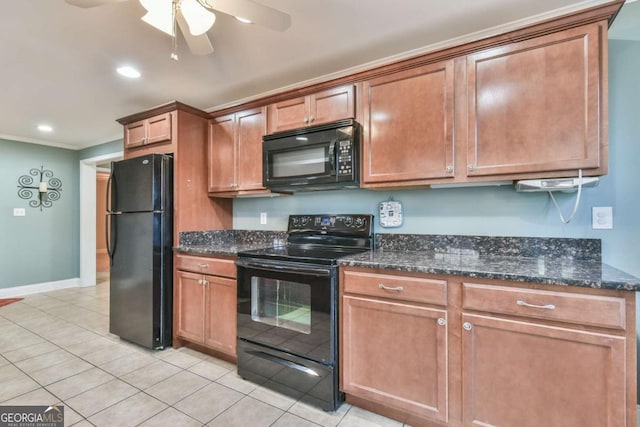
(199, 19)
(159, 14)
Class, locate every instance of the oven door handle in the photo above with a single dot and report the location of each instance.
(280, 268)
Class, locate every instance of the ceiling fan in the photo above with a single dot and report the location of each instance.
(195, 18)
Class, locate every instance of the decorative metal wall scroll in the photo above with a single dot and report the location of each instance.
(45, 191)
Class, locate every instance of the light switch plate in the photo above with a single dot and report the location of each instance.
(602, 217)
(263, 218)
(19, 212)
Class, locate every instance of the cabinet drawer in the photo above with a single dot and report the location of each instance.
(398, 287)
(205, 265)
(607, 312)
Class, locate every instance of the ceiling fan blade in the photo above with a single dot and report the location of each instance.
(254, 12)
(198, 45)
(91, 3)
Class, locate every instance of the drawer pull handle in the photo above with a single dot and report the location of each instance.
(545, 307)
(390, 288)
(466, 326)
(204, 265)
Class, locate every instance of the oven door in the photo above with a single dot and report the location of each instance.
(288, 306)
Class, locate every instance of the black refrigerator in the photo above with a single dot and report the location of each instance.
(139, 242)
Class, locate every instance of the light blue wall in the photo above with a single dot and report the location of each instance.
(101, 150)
(41, 246)
(501, 211)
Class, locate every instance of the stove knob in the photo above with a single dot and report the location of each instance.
(359, 222)
(304, 220)
(348, 220)
(295, 221)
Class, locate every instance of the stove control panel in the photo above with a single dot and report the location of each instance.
(352, 223)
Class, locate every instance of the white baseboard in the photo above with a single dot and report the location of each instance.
(36, 288)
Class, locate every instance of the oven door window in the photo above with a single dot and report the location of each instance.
(281, 303)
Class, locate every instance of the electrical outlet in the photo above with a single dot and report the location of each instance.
(263, 218)
(602, 217)
(19, 212)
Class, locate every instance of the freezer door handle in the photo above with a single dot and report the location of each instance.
(108, 193)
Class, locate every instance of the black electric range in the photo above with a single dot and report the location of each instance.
(288, 307)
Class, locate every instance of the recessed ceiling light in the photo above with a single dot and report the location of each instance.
(128, 71)
(45, 128)
(243, 20)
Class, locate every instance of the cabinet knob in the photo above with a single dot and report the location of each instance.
(203, 265)
(442, 321)
(466, 326)
(471, 167)
(311, 119)
(306, 120)
(200, 281)
(449, 169)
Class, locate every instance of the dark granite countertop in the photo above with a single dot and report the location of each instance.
(554, 261)
(565, 271)
(225, 242)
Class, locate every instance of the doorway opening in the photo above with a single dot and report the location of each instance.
(88, 215)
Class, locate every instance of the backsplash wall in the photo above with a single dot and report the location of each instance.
(500, 211)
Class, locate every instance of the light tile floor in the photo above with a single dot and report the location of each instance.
(55, 348)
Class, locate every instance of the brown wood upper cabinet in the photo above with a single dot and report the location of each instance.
(537, 105)
(149, 131)
(321, 107)
(235, 153)
(408, 126)
(186, 130)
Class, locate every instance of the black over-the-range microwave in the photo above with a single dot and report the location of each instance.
(321, 157)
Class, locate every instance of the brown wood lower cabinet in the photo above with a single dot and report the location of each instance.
(205, 303)
(519, 373)
(395, 354)
(436, 350)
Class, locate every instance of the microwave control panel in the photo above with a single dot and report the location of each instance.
(345, 157)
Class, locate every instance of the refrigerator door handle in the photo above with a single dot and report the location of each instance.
(108, 193)
(110, 230)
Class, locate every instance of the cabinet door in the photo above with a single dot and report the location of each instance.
(159, 129)
(331, 105)
(250, 128)
(395, 354)
(289, 114)
(534, 106)
(525, 374)
(190, 303)
(221, 307)
(135, 134)
(408, 126)
(222, 154)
